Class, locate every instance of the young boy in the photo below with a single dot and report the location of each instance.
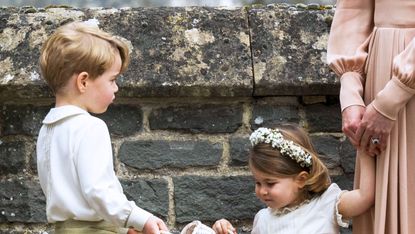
(80, 63)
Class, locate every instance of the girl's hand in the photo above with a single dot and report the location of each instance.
(374, 126)
(351, 119)
(223, 226)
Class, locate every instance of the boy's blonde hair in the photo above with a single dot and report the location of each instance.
(263, 157)
(79, 47)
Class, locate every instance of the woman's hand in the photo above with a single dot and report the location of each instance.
(374, 131)
(223, 226)
(351, 119)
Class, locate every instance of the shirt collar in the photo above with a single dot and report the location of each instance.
(59, 113)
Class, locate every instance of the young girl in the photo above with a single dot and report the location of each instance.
(295, 185)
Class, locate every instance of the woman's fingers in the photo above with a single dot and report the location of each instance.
(374, 129)
(351, 119)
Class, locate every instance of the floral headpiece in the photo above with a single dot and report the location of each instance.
(286, 147)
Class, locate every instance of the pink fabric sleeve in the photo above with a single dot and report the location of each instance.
(402, 85)
(347, 47)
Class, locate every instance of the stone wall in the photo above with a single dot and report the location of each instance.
(200, 80)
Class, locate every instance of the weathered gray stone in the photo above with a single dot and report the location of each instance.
(22, 119)
(12, 157)
(271, 115)
(323, 117)
(22, 201)
(123, 120)
(33, 158)
(151, 195)
(328, 149)
(187, 52)
(178, 52)
(239, 150)
(212, 198)
(209, 118)
(344, 181)
(289, 51)
(190, 51)
(153, 154)
(346, 230)
(348, 156)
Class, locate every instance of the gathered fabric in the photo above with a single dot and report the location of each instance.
(372, 49)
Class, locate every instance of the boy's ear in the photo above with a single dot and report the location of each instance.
(81, 81)
(301, 179)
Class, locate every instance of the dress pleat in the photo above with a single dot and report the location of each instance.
(395, 175)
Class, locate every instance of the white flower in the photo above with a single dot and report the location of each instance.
(286, 147)
(92, 22)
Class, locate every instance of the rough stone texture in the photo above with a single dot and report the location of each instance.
(175, 51)
(346, 230)
(270, 115)
(324, 117)
(200, 80)
(151, 195)
(173, 154)
(344, 181)
(22, 119)
(239, 150)
(212, 198)
(12, 160)
(187, 52)
(348, 156)
(21, 201)
(289, 51)
(197, 118)
(123, 120)
(33, 157)
(328, 149)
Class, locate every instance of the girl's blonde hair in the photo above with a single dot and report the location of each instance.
(263, 157)
(78, 47)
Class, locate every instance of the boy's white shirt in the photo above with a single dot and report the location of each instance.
(75, 167)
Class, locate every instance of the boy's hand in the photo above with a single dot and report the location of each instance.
(223, 226)
(154, 225)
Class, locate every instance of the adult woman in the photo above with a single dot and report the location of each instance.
(372, 48)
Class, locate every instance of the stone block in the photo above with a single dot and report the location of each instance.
(239, 150)
(22, 201)
(151, 195)
(123, 120)
(328, 149)
(22, 119)
(212, 198)
(12, 157)
(289, 51)
(155, 154)
(348, 156)
(271, 115)
(323, 117)
(200, 118)
(344, 181)
(189, 52)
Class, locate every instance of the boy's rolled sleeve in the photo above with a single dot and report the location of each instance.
(138, 218)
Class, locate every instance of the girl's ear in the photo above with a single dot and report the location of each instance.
(81, 81)
(301, 179)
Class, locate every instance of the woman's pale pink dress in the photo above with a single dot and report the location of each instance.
(372, 48)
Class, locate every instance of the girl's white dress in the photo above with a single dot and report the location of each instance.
(320, 216)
